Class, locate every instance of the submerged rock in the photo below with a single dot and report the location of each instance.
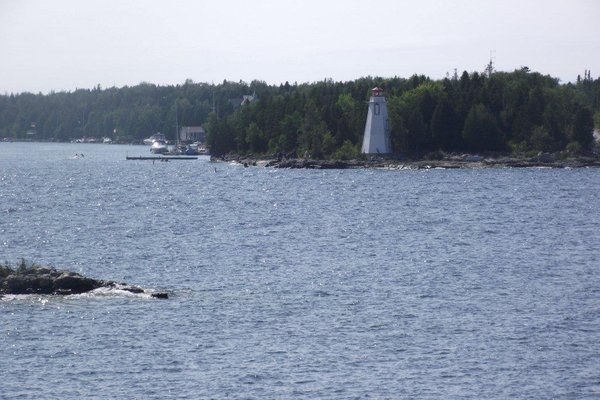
(47, 280)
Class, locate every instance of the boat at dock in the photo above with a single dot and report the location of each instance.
(160, 158)
(159, 147)
(154, 138)
(197, 148)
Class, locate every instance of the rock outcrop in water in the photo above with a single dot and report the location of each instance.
(47, 280)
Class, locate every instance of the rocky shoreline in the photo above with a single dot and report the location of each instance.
(465, 161)
(50, 281)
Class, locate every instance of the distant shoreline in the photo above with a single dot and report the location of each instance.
(453, 162)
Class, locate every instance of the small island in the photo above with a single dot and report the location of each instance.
(36, 279)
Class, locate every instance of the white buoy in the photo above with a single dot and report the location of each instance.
(377, 135)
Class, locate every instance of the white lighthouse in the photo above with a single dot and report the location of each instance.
(377, 134)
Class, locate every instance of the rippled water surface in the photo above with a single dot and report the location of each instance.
(315, 284)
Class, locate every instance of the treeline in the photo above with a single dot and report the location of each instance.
(127, 114)
(518, 111)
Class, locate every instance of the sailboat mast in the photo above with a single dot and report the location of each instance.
(176, 126)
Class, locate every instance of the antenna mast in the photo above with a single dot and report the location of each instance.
(490, 67)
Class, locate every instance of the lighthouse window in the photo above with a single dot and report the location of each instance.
(376, 109)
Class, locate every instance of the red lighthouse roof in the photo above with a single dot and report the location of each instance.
(377, 91)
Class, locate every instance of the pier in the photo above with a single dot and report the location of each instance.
(161, 158)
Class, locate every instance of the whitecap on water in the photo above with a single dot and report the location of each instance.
(116, 291)
(103, 292)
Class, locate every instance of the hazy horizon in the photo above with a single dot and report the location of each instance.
(66, 45)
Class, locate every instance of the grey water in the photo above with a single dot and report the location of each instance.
(337, 284)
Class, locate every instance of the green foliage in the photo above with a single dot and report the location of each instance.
(22, 265)
(220, 135)
(518, 148)
(5, 270)
(583, 128)
(347, 151)
(573, 148)
(520, 110)
(481, 132)
(445, 127)
(351, 118)
(434, 155)
(289, 128)
(255, 138)
(541, 140)
(327, 143)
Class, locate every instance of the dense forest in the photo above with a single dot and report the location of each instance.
(516, 111)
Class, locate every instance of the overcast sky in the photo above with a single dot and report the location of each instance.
(68, 44)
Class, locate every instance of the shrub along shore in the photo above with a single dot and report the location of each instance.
(450, 161)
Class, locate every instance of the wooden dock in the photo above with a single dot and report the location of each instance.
(161, 158)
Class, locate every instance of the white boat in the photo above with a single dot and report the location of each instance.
(159, 147)
(156, 137)
(203, 150)
(197, 148)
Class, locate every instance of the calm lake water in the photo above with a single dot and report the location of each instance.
(437, 284)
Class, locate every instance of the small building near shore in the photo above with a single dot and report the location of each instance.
(192, 134)
(376, 139)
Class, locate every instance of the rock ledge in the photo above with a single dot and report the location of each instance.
(48, 280)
